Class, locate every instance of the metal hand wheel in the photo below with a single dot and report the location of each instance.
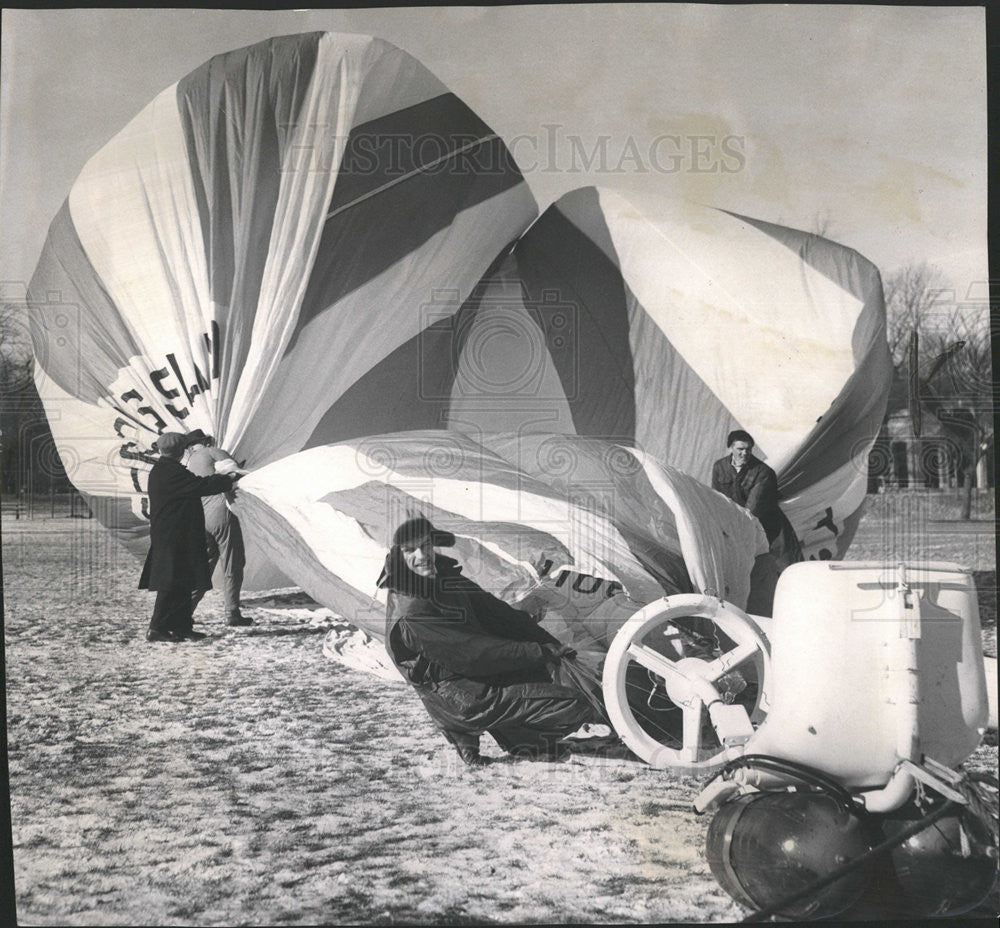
(685, 681)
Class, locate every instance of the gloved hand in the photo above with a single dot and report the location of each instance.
(556, 652)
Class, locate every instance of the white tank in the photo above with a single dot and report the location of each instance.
(872, 664)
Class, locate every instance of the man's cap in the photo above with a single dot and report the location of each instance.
(171, 442)
(414, 529)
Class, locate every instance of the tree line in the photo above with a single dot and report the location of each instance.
(942, 352)
(29, 461)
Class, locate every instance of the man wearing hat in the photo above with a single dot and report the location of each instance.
(478, 664)
(177, 562)
(223, 535)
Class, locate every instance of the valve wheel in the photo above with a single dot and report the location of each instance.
(670, 669)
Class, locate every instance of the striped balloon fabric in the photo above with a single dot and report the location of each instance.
(667, 328)
(664, 330)
(311, 246)
(251, 246)
(581, 529)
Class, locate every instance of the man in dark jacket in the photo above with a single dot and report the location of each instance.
(748, 481)
(177, 563)
(478, 664)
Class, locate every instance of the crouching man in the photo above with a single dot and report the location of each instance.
(477, 664)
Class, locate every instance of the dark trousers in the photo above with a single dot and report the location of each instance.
(172, 611)
(524, 718)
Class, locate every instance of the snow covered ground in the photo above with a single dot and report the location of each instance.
(252, 778)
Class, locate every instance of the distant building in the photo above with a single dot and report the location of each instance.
(936, 459)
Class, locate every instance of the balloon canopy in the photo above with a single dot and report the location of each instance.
(310, 245)
(253, 243)
(664, 330)
(667, 328)
(581, 529)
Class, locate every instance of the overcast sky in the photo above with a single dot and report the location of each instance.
(873, 118)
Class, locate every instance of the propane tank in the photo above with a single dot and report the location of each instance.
(872, 665)
(949, 867)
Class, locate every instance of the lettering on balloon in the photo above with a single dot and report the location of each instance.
(177, 386)
(581, 583)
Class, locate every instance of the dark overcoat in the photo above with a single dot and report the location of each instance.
(477, 663)
(177, 553)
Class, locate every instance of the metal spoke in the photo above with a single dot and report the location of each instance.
(692, 729)
(724, 663)
(653, 660)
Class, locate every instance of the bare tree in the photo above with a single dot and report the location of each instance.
(942, 349)
(913, 294)
(960, 390)
(16, 359)
(21, 416)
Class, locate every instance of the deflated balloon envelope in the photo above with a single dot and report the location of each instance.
(253, 243)
(658, 330)
(580, 530)
(307, 243)
(669, 324)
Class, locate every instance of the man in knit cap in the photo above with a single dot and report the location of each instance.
(478, 664)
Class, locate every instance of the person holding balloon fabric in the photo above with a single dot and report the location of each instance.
(177, 562)
(223, 535)
(478, 664)
(748, 481)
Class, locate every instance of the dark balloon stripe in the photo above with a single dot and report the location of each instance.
(447, 454)
(459, 457)
(79, 339)
(406, 390)
(227, 103)
(607, 480)
(411, 387)
(558, 262)
(297, 560)
(370, 503)
(416, 138)
(674, 401)
(384, 206)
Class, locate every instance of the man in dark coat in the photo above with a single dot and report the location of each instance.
(478, 664)
(177, 563)
(748, 481)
